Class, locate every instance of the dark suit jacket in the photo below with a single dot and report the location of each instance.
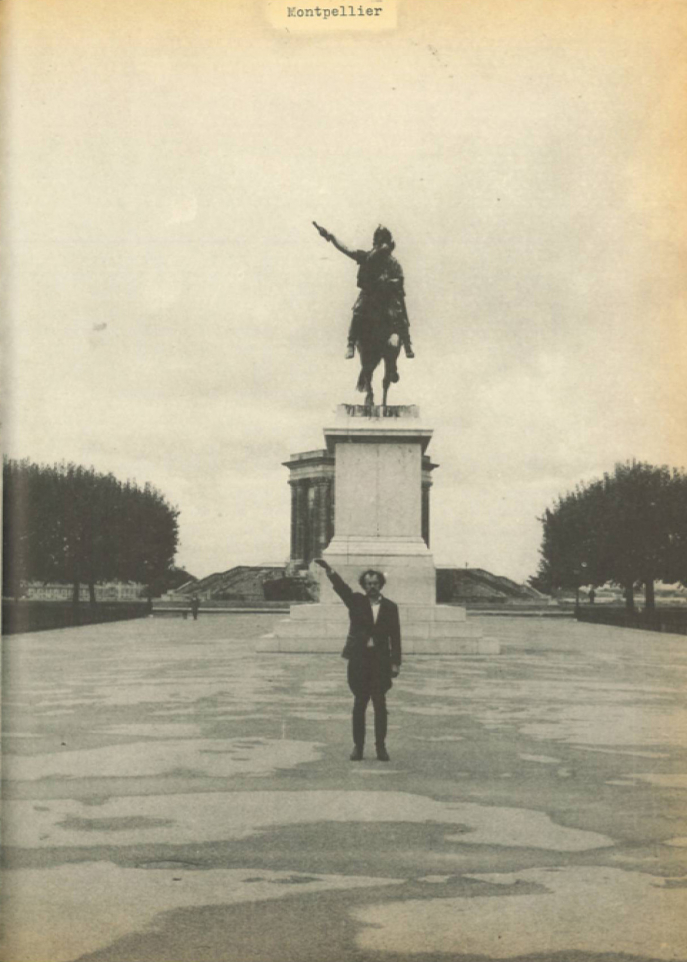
(385, 632)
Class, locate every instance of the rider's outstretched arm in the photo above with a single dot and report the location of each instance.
(342, 247)
(339, 246)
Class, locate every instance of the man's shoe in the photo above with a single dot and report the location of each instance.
(382, 754)
(410, 352)
(357, 754)
(350, 352)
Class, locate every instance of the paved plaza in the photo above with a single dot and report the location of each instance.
(172, 796)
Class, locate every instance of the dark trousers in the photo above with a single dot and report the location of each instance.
(359, 707)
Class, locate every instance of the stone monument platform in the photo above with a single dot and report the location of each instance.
(378, 511)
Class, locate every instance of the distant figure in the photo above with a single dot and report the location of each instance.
(373, 650)
(592, 596)
(195, 607)
(379, 325)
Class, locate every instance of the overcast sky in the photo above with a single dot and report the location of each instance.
(175, 318)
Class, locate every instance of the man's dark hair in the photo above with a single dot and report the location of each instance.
(371, 571)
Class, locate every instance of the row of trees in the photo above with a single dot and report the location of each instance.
(628, 528)
(71, 524)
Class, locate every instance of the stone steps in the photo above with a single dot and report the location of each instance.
(474, 645)
(409, 613)
(425, 630)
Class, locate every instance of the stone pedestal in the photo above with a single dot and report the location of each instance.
(380, 510)
(378, 513)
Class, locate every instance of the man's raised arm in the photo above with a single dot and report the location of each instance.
(338, 584)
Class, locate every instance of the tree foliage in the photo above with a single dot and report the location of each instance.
(175, 578)
(68, 523)
(629, 528)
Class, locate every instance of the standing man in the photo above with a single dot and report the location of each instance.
(373, 650)
(195, 607)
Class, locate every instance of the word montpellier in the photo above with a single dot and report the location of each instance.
(326, 12)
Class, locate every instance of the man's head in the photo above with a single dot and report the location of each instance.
(372, 582)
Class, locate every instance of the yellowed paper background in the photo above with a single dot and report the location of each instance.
(169, 313)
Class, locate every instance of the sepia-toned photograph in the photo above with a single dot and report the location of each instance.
(344, 516)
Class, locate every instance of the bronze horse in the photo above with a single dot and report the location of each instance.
(379, 326)
(379, 340)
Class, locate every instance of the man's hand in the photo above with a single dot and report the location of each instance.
(395, 671)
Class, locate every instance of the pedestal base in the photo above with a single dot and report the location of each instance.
(406, 563)
(425, 630)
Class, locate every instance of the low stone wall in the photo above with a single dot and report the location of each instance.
(21, 616)
(673, 620)
(220, 608)
(219, 604)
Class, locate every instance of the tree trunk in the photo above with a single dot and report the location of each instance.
(91, 593)
(649, 596)
(630, 597)
(76, 590)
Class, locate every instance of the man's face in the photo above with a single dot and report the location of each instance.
(372, 586)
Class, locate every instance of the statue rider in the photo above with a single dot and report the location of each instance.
(380, 279)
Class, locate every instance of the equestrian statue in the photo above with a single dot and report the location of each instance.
(379, 326)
